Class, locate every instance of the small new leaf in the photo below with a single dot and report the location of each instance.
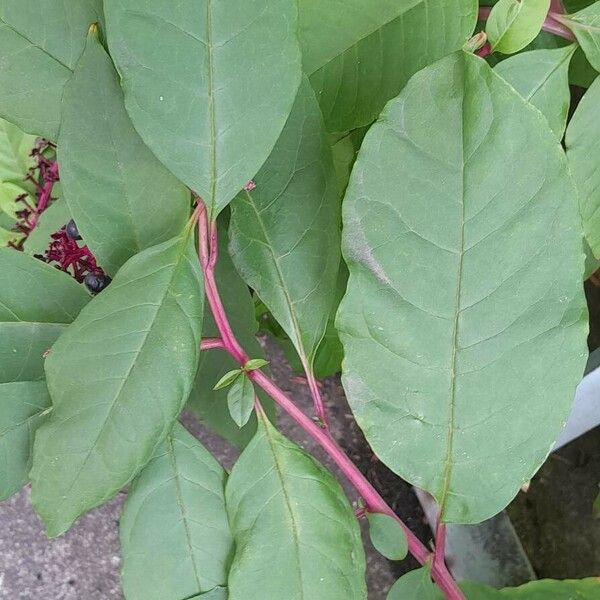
(513, 24)
(255, 363)
(387, 536)
(227, 379)
(415, 585)
(240, 400)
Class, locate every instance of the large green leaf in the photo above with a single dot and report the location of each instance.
(40, 42)
(207, 404)
(285, 233)
(175, 538)
(36, 304)
(200, 97)
(582, 141)
(585, 24)
(121, 197)
(542, 78)
(513, 24)
(464, 321)
(118, 379)
(286, 511)
(360, 54)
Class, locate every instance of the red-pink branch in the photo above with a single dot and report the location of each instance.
(207, 249)
(551, 25)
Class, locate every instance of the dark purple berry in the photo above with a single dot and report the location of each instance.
(72, 230)
(96, 282)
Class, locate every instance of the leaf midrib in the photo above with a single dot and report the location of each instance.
(286, 496)
(183, 511)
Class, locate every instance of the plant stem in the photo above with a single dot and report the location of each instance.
(440, 543)
(551, 25)
(207, 251)
(315, 393)
(45, 194)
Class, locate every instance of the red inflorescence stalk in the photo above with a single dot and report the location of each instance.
(207, 242)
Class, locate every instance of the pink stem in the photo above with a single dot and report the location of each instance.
(551, 25)
(440, 543)
(373, 501)
(45, 194)
(212, 344)
(318, 403)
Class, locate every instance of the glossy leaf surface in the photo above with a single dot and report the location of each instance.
(464, 320)
(359, 55)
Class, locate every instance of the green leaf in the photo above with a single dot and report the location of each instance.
(15, 149)
(464, 321)
(255, 363)
(36, 304)
(7, 236)
(208, 405)
(513, 24)
(21, 412)
(415, 585)
(227, 379)
(204, 117)
(592, 264)
(545, 589)
(542, 78)
(9, 192)
(175, 538)
(387, 536)
(582, 141)
(40, 42)
(118, 378)
(585, 24)
(297, 521)
(57, 215)
(285, 233)
(360, 54)
(122, 199)
(240, 400)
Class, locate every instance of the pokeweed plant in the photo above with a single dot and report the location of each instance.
(360, 181)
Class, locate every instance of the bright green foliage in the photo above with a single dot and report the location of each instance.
(513, 24)
(204, 115)
(122, 199)
(585, 24)
(40, 42)
(240, 400)
(37, 302)
(415, 585)
(583, 145)
(360, 54)
(285, 233)
(255, 363)
(208, 405)
(227, 379)
(542, 78)
(387, 536)
(135, 352)
(295, 534)
(15, 159)
(456, 313)
(175, 536)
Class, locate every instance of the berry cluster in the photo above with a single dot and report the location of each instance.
(68, 254)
